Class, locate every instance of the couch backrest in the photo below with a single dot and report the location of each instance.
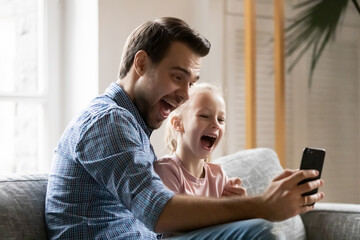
(22, 207)
(257, 167)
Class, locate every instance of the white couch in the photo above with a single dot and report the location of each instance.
(22, 202)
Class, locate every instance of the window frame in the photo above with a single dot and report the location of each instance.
(48, 73)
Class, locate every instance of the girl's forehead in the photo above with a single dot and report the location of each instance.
(201, 93)
(206, 98)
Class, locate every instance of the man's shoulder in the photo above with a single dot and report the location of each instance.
(97, 118)
(106, 105)
(105, 110)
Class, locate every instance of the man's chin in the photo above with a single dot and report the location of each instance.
(155, 124)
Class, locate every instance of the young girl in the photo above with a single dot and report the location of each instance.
(192, 133)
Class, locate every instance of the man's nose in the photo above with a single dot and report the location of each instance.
(183, 93)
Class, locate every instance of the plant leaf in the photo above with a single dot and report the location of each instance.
(356, 5)
(313, 28)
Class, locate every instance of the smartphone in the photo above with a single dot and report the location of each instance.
(313, 159)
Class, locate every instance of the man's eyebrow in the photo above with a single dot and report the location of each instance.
(185, 71)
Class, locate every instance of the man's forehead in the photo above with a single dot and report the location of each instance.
(186, 66)
(182, 50)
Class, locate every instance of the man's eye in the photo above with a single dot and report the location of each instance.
(203, 116)
(221, 120)
(177, 77)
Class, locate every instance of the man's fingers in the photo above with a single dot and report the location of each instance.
(304, 174)
(306, 209)
(308, 186)
(286, 173)
(312, 199)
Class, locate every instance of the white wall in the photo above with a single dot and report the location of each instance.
(80, 69)
(117, 19)
(84, 44)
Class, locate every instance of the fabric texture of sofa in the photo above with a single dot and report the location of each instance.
(22, 202)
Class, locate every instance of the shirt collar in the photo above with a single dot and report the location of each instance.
(115, 92)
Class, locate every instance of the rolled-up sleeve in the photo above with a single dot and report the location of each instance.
(116, 152)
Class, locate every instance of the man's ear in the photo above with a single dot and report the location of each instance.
(140, 62)
(176, 123)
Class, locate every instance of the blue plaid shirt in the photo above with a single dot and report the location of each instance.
(102, 184)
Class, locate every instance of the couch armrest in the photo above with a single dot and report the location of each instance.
(333, 221)
(22, 206)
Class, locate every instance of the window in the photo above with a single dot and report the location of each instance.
(23, 94)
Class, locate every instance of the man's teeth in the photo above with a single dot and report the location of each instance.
(170, 103)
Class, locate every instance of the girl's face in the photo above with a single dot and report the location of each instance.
(203, 124)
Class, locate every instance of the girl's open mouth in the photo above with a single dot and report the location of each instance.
(208, 141)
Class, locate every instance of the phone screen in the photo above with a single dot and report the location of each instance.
(313, 158)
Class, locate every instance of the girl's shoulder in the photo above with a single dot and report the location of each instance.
(164, 158)
(215, 168)
(167, 159)
(168, 162)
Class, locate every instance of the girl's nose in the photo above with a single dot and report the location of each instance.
(215, 124)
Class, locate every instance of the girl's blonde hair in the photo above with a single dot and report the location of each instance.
(170, 133)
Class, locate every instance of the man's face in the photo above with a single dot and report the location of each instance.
(165, 86)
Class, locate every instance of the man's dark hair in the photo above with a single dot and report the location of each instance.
(155, 38)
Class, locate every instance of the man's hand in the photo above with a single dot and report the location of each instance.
(233, 188)
(282, 199)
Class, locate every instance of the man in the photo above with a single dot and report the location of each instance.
(102, 184)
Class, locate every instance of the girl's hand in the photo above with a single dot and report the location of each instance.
(233, 188)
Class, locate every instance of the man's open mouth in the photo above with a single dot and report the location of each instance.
(208, 140)
(166, 107)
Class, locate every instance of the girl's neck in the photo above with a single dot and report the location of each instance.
(193, 165)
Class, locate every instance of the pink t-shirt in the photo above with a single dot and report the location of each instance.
(178, 179)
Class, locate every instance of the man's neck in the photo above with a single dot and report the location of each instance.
(128, 83)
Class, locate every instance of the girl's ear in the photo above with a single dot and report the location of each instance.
(176, 123)
(140, 62)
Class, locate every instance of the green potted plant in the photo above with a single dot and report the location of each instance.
(313, 28)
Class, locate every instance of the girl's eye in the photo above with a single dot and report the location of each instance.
(203, 116)
(221, 120)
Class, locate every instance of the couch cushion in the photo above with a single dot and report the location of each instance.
(256, 168)
(22, 207)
